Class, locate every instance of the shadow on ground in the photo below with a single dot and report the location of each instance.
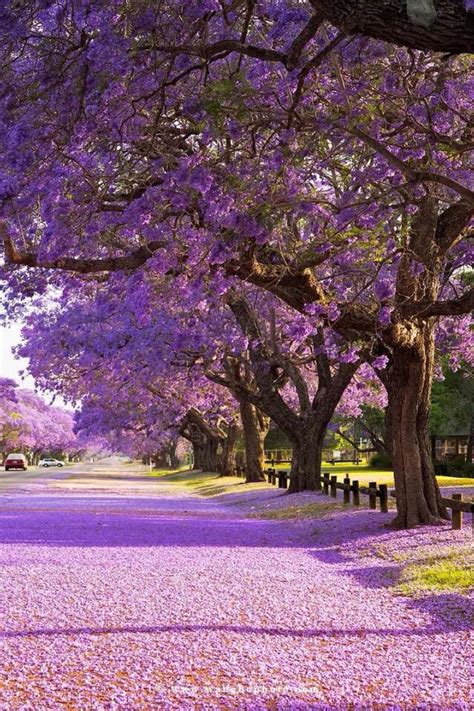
(449, 613)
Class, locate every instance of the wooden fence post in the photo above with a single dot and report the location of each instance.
(355, 493)
(373, 494)
(383, 498)
(456, 518)
(326, 483)
(347, 490)
(334, 487)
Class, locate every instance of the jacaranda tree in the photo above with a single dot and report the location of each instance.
(258, 142)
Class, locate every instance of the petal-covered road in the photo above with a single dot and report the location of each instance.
(119, 591)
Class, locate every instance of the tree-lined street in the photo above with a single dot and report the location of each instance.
(236, 237)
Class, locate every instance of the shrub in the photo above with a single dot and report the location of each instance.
(456, 468)
(380, 461)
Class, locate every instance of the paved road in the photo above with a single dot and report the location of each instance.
(16, 479)
(123, 592)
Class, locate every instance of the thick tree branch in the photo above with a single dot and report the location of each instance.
(450, 307)
(271, 400)
(450, 29)
(451, 224)
(300, 384)
(219, 50)
(306, 34)
(80, 265)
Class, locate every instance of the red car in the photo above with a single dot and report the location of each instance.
(16, 461)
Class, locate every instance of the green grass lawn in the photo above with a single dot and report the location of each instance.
(211, 484)
(205, 483)
(451, 572)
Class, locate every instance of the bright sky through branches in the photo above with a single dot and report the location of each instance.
(10, 366)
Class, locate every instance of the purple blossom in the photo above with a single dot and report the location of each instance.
(385, 315)
(333, 311)
(380, 362)
(384, 289)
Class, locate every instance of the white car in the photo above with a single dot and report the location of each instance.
(50, 462)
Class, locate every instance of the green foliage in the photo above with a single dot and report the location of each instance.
(223, 97)
(452, 403)
(372, 420)
(276, 439)
(458, 468)
(380, 461)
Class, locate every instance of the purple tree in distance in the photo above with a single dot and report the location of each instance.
(29, 425)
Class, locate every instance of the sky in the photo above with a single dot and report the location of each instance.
(10, 366)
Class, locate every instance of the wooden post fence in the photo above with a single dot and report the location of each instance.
(456, 518)
(355, 493)
(330, 485)
(347, 490)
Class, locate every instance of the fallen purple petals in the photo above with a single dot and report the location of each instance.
(156, 599)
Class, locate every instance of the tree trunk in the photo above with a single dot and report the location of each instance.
(256, 426)
(307, 458)
(160, 461)
(174, 460)
(204, 438)
(227, 459)
(210, 460)
(205, 455)
(198, 455)
(418, 495)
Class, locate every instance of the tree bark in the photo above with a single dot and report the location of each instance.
(204, 438)
(409, 394)
(205, 456)
(174, 460)
(307, 457)
(256, 426)
(160, 461)
(229, 445)
(210, 456)
(449, 27)
(198, 455)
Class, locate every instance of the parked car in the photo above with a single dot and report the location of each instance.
(16, 461)
(50, 462)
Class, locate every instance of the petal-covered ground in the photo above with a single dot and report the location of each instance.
(119, 591)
